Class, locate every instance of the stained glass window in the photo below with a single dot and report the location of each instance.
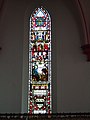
(39, 93)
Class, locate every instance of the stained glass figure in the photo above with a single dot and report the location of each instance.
(39, 93)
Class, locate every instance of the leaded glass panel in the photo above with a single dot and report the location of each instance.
(39, 92)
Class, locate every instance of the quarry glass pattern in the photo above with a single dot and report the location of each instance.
(39, 93)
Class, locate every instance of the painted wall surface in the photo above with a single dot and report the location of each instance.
(70, 71)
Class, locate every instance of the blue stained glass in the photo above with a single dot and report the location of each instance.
(39, 92)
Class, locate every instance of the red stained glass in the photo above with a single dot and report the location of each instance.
(39, 97)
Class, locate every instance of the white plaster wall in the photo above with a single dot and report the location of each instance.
(70, 71)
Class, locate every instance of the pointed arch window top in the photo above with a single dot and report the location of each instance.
(41, 12)
(40, 19)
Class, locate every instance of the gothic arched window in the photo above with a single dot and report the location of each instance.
(39, 92)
